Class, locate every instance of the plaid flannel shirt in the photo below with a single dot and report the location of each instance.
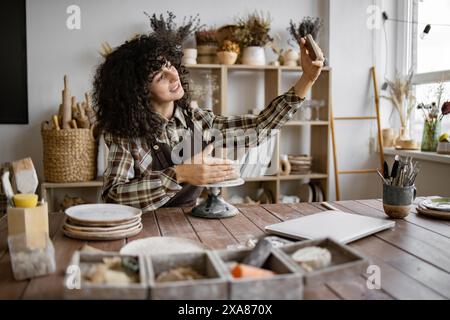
(128, 178)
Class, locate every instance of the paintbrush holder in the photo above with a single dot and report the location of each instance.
(31, 222)
(397, 201)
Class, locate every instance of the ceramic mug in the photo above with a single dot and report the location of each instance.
(397, 201)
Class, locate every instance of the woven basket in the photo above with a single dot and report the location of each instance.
(70, 155)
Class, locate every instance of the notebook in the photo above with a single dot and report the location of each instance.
(341, 226)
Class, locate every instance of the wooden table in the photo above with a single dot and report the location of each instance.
(414, 258)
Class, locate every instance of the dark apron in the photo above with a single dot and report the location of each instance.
(161, 153)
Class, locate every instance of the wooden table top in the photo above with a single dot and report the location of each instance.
(414, 257)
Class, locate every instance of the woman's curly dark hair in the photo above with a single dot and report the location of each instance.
(121, 96)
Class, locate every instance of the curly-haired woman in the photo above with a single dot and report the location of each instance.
(142, 101)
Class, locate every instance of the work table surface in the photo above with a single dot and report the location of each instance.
(414, 257)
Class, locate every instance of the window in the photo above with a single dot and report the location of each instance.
(433, 51)
(430, 57)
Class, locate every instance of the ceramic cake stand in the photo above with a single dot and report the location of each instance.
(215, 207)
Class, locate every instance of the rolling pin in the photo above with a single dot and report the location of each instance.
(67, 110)
(56, 122)
(89, 110)
(82, 119)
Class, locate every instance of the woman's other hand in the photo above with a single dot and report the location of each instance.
(203, 169)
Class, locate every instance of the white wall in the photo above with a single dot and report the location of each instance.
(354, 49)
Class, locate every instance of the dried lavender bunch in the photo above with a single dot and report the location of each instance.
(167, 26)
(308, 25)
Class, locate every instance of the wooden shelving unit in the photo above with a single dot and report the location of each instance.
(273, 76)
(48, 189)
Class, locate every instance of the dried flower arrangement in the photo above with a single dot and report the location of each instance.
(431, 111)
(167, 26)
(206, 37)
(253, 30)
(308, 25)
(400, 92)
(230, 46)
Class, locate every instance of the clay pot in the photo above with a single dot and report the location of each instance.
(254, 56)
(227, 57)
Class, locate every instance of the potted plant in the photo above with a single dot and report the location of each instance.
(400, 94)
(228, 52)
(206, 45)
(253, 35)
(433, 115)
(308, 25)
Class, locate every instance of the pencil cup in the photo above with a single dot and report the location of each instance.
(397, 201)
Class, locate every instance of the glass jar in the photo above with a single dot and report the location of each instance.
(29, 262)
(430, 135)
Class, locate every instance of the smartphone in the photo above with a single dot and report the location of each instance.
(312, 48)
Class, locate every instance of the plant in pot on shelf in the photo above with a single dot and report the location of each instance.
(432, 124)
(228, 52)
(253, 35)
(308, 25)
(206, 40)
(403, 100)
(167, 27)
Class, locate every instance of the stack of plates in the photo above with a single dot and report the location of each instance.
(311, 192)
(102, 222)
(300, 164)
(435, 207)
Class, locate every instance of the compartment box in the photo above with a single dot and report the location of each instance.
(214, 287)
(83, 260)
(286, 284)
(345, 262)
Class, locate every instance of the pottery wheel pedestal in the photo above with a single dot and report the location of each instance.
(215, 207)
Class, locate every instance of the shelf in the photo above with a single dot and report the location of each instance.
(293, 123)
(203, 66)
(304, 176)
(246, 67)
(289, 177)
(262, 178)
(55, 185)
(417, 154)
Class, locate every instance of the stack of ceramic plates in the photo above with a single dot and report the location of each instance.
(310, 192)
(102, 222)
(300, 164)
(436, 207)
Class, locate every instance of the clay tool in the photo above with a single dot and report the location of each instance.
(7, 188)
(258, 256)
(25, 175)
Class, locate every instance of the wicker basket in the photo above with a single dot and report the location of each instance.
(70, 155)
